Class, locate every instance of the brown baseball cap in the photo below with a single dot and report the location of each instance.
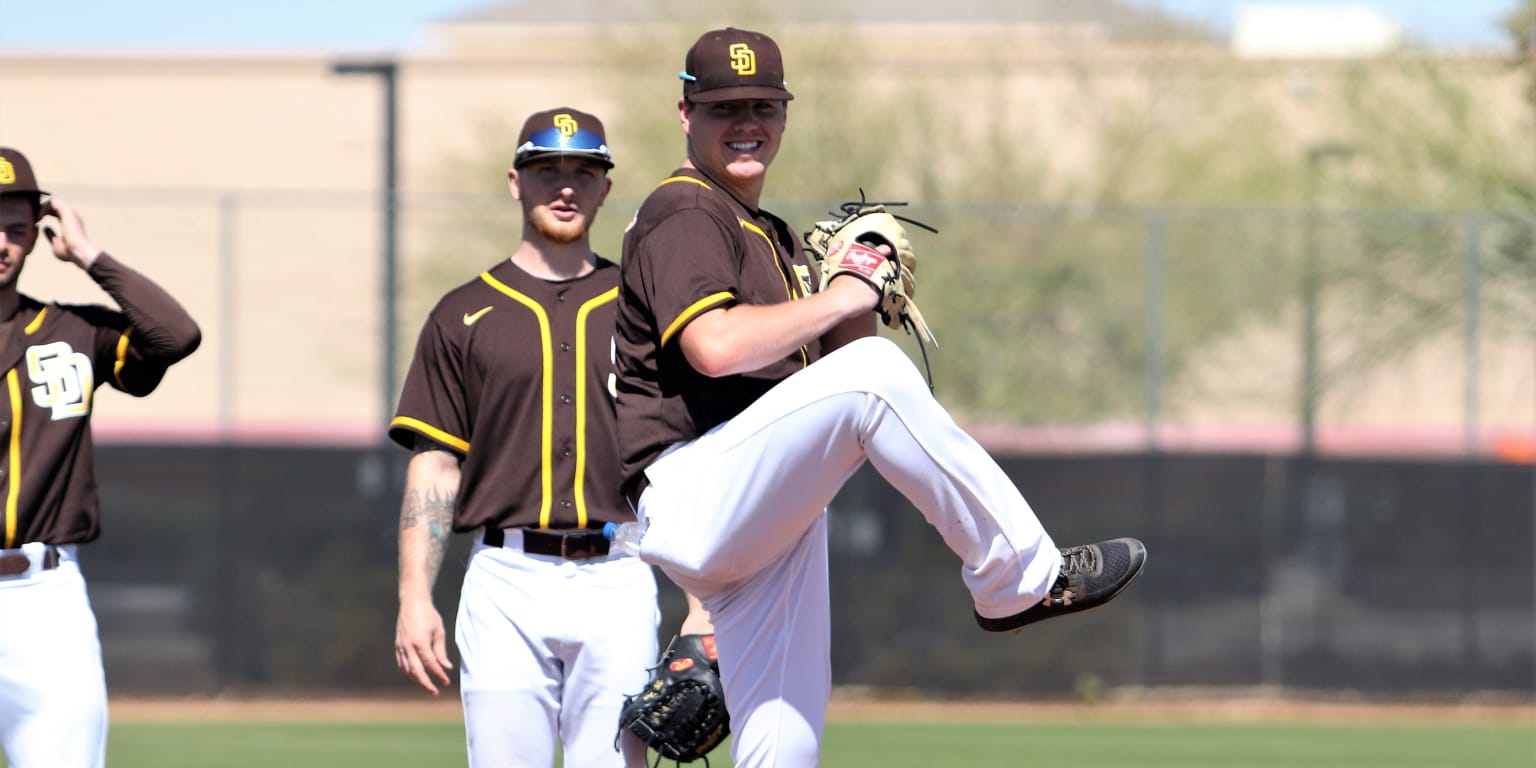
(562, 131)
(733, 63)
(16, 177)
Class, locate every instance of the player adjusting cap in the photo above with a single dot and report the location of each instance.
(16, 177)
(731, 63)
(562, 131)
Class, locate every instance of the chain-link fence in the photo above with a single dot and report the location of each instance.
(1323, 422)
(1369, 332)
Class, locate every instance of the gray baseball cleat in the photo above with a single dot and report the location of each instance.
(1090, 576)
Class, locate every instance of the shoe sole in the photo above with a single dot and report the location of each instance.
(1021, 620)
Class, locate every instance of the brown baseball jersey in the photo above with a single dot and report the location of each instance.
(55, 357)
(693, 247)
(515, 374)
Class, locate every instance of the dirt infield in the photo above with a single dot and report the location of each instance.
(852, 706)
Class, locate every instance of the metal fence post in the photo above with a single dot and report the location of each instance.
(1472, 279)
(1154, 265)
(228, 314)
(1155, 274)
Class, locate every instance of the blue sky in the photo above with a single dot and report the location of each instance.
(242, 25)
(1454, 23)
(93, 25)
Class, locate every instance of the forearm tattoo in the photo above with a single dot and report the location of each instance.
(429, 505)
(433, 508)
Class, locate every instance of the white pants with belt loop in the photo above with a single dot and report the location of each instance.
(53, 692)
(548, 649)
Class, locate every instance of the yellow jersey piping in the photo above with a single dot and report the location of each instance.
(122, 358)
(693, 310)
(13, 492)
(688, 179)
(430, 431)
(36, 322)
(778, 266)
(581, 399)
(547, 394)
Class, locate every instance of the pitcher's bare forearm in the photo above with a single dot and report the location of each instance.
(746, 337)
(426, 519)
(698, 621)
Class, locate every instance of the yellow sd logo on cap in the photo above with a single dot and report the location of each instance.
(743, 59)
(7, 172)
(566, 124)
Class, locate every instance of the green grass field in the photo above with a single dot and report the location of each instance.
(884, 744)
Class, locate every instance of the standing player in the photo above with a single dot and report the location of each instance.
(53, 694)
(746, 400)
(508, 407)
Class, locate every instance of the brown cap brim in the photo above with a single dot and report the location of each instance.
(741, 92)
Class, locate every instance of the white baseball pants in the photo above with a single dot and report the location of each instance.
(548, 650)
(737, 517)
(53, 692)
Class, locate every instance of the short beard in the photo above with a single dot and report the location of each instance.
(558, 232)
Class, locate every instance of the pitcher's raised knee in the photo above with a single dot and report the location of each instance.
(872, 364)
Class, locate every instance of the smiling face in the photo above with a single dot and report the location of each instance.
(560, 195)
(18, 234)
(735, 141)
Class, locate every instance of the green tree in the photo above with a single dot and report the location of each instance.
(1520, 24)
(1052, 208)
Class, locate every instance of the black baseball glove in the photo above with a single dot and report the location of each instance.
(681, 713)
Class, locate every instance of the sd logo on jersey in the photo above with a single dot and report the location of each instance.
(63, 377)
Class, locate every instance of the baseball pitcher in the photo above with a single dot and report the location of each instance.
(751, 387)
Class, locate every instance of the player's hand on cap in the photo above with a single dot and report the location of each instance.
(69, 242)
(421, 650)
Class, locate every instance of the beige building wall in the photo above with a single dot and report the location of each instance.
(248, 186)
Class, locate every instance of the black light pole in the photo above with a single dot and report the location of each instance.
(1320, 507)
(385, 71)
(1312, 284)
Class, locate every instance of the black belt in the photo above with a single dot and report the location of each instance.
(17, 564)
(568, 545)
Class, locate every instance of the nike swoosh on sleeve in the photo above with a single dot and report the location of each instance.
(469, 319)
